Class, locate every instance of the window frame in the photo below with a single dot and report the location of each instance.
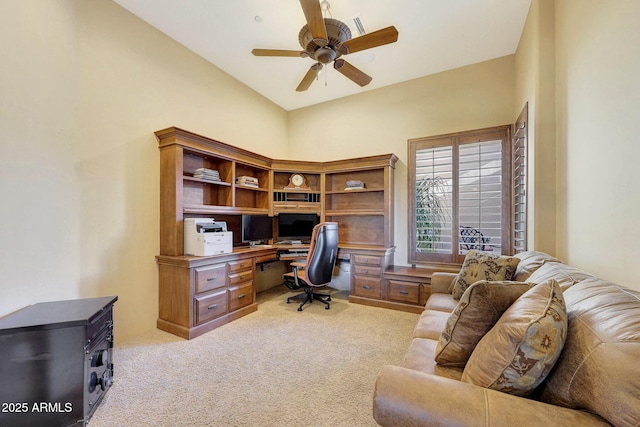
(456, 139)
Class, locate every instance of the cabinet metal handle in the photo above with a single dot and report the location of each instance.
(366, 287)
(404, 292)
(241, 296)
(210, 279)
(212, 306)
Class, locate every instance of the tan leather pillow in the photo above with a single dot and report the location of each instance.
(479, 309)
(483, 266)
(516, 355)
(530, 261)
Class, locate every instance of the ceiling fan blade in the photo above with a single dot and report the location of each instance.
(351, 72)
(375, 39)
(309, 77)
(315, 21)
(279, 52)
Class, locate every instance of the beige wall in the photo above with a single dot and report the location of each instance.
(535, 86)
(598, 111)
(381, 121)
(84, 84)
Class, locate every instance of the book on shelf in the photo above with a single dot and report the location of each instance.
(355, 185)
(207, 174)
(248, 181)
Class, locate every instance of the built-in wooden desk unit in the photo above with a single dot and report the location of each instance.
(408, 288)
(198, 294)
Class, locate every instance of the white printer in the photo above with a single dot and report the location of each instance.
(206, 237)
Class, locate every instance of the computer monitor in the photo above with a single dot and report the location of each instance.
(296, 226)
(257, 228)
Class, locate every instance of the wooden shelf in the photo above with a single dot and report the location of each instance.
(355, 212)
(205, 181)
(364, 190)
(248, 187)
(210, 209)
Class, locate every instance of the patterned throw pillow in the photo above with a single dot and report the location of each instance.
(483, 266)
(479, 309)
(516, 355)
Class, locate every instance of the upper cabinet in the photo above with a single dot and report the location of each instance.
(200, 176)
(359, 197)
(203, 177)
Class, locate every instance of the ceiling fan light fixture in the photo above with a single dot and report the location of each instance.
(325, 54)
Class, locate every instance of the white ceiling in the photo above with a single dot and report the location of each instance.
(434, 36)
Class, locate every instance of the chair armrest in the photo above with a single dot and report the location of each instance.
(404, 397)
(441, 281)
(298, 264)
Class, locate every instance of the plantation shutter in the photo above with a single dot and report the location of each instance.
(434, 200)
(480, 197)
(520, 183)
(460, 195)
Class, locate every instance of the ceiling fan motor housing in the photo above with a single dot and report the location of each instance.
(337, 32)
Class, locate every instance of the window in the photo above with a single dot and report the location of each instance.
(460, 188)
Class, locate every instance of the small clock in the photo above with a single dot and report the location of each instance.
(297, 180)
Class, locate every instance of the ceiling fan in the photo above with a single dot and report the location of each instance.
(325, 40)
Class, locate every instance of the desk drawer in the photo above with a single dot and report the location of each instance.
(366, 270)
(241, 295)
(404, 292)
(368, 287)
(210, 306)
(243, 276)
(210, 277)
(310, 207)
(366, 259)
(245, 264)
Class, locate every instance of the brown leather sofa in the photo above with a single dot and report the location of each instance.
(595, 381)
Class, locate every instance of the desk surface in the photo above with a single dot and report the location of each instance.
(301, 247)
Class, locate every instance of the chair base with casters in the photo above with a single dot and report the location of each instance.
(309, 296)
(296, 280)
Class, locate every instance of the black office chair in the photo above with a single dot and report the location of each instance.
(317, 270)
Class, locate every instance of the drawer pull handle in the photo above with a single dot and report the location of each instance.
(241, 296)
(212, 307)
(211, 279)
(404, 292)
(366, 287)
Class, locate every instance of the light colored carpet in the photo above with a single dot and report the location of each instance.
(274, 367)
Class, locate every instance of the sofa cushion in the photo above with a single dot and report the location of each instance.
(598, 369)
(530, 261)
(419, 357)
(516, 355)
(479, 309)
(483, 266)
(441, 302)
(565, 275)
(430, 324)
